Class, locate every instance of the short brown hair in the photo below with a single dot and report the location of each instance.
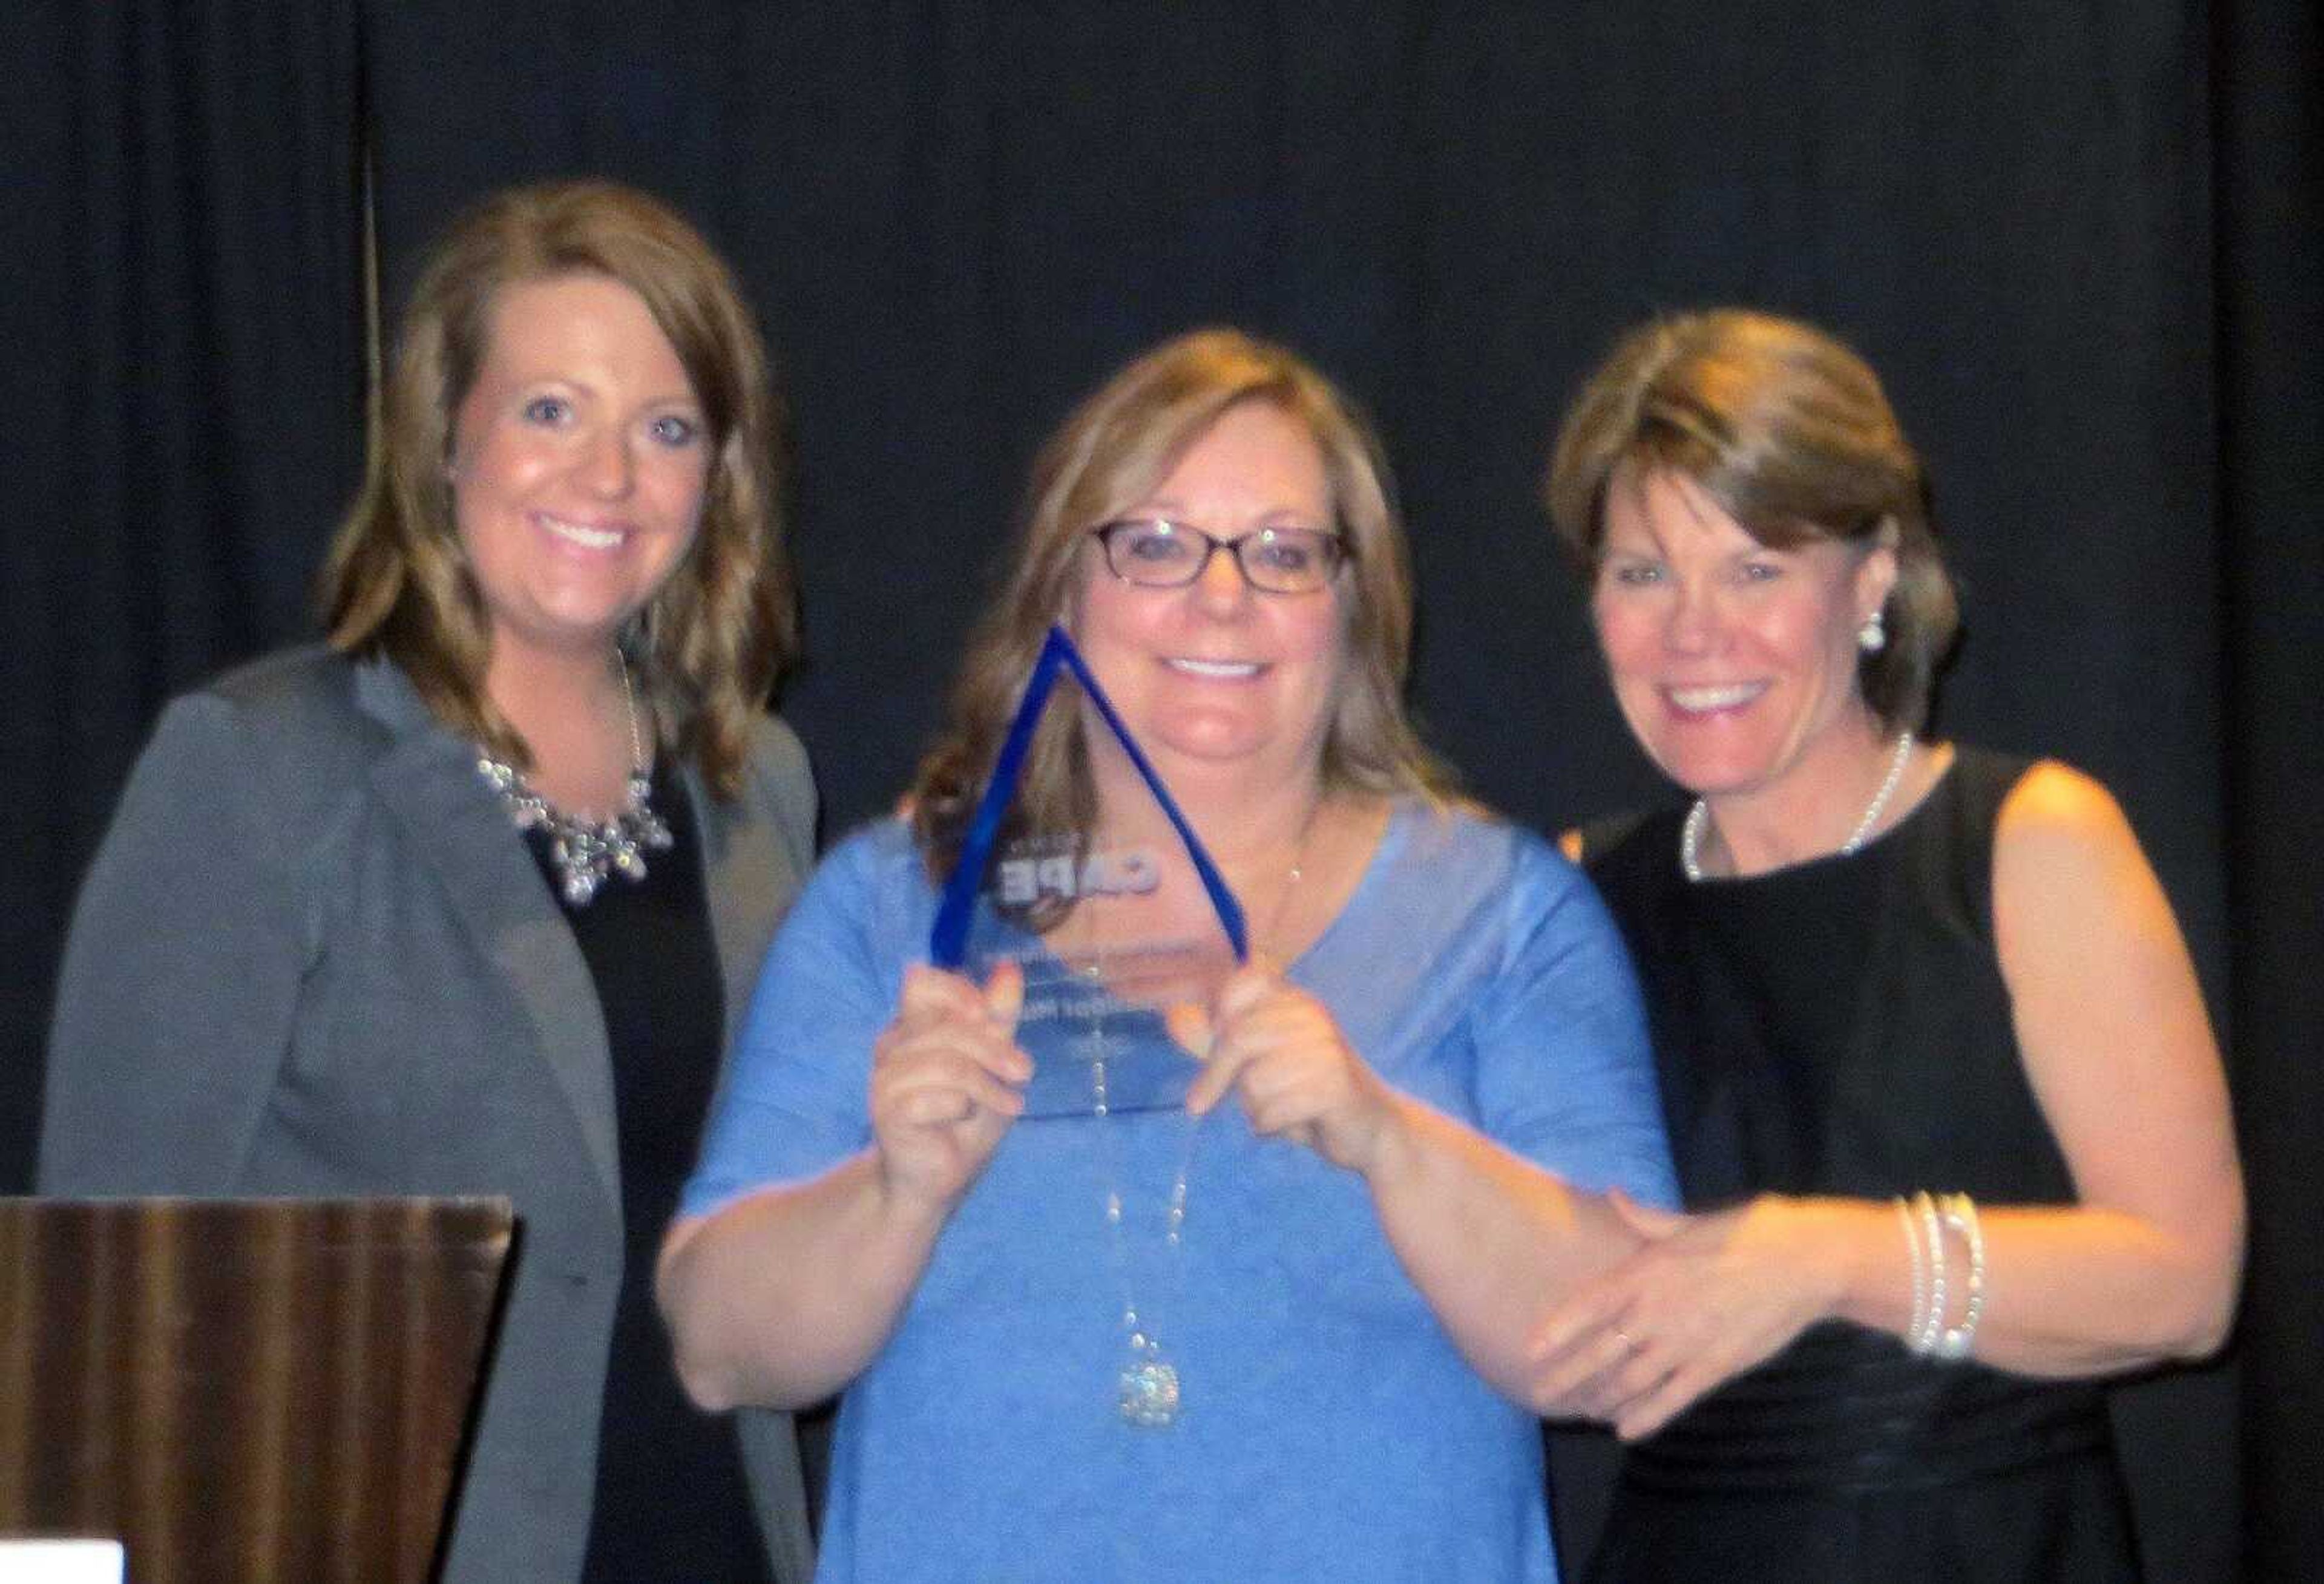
(716, 637)
(1115, 449)
(1790, 432)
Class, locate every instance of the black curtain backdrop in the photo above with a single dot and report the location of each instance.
(181, 356)
(2079, 241)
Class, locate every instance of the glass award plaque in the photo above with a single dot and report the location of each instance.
(1109, 933)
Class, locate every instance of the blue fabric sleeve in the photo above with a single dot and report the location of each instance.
(1564, 1071)
(794, 1102)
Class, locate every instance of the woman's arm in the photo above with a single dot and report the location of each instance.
(782, 1297)
(1487, 1235)
(2121, 1058)
(182, 968)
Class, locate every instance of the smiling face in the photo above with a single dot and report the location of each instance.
(1216, 675)
(579, 460)
(1735, 663)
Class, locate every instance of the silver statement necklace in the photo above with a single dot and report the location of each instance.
(583, 851)
(1690, 834)
(1145, 1388)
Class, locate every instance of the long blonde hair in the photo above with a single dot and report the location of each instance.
(714, 637)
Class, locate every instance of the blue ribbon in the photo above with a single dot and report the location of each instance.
(948, 940)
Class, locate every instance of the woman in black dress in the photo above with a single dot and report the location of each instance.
(1948, 1113)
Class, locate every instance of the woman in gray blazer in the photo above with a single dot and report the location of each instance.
(466, 901)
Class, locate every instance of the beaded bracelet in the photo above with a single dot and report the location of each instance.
(1960, 1214)
(1924, 1339)
(1920, 1269)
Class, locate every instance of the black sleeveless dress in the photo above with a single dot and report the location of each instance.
(1841, 1027)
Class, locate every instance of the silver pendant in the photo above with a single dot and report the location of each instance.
(1149, 1394)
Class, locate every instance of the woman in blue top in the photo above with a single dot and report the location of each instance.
(1264, 1335)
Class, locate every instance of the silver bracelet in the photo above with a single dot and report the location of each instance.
(1960, 1214)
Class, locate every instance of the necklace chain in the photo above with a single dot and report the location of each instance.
(584, 852)
(1146, 1388)
(1690, 834)
(1269, 940)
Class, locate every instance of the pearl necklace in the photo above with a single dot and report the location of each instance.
(1690, 834)
(586, 850)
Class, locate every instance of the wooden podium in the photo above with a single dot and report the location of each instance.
(254, 1391)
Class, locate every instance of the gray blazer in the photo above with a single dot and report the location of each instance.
(312, 958)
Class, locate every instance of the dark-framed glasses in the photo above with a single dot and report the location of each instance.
(1153, 552)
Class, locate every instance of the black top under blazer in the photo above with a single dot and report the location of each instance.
(313, 958)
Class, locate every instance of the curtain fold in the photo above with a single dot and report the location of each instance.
(2267, 104)
(183, 343)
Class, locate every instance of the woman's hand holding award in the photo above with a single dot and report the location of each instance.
(1108, 928)
(1099, 932)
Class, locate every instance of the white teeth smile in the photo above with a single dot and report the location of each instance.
(1714, 698)
(1220, 668)
(593, 539)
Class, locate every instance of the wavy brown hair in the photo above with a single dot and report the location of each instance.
(714, 637)
(1115, 450)
(1790, 432)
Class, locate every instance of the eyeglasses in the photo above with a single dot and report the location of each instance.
(1155, 554)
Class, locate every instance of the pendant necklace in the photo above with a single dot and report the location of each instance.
(1147, 1387)
(584, 852)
